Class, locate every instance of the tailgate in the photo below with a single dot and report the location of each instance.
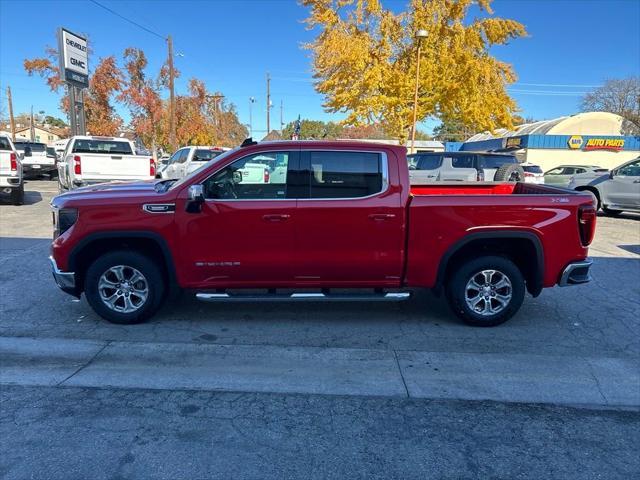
(114, 167)
(5, 163)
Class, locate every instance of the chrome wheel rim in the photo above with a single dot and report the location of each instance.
(488, 292)
(123, 289)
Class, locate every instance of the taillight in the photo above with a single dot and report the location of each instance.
(587, 223)
(77, 165)
(14, 162)
(152, 167)
(266, 176)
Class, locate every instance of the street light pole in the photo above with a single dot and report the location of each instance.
(172, 111)
(251, 102)
(420, 34)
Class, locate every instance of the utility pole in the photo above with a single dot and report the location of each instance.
(420, 34)
(172, 111)
(268, 103)
(281, 116)
(12, 121)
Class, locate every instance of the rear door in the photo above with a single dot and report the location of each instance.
(460, 168)
(425, 168)
(624, 188)
(349, 228)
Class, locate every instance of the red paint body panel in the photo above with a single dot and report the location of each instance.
(393, 239)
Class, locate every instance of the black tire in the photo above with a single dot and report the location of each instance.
(17, 195)
(611, 213)
(509, 172)
(130, 260)
(457, 290)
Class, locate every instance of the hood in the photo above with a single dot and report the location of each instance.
(113, 191)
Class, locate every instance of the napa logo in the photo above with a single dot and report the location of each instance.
(575, 142)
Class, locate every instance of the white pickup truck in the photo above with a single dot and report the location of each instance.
(90, 160)
(187, 160)
(11, 181)
(36, 161)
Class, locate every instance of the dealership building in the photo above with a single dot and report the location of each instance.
(592, 138)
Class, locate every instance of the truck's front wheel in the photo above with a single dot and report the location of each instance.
(486, 291)
(124, 287)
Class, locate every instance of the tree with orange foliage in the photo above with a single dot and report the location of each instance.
(106, 81)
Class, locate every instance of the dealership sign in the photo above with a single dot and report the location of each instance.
(576, 142)
(74, 58)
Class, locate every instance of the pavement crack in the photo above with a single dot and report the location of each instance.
(395, 354)
(595, 379)
(89, 362)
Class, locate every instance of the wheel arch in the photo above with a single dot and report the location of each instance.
(523, 248)
(592, 189)
(148, 243)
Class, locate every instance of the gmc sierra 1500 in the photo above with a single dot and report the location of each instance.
(343, 217)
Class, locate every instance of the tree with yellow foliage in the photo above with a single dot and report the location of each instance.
(364, 62)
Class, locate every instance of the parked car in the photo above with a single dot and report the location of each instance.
(91, 160)
(11, 180)
(561, 176)
(344, 217)
(616, 192)
(463, 166)
(36, 161)
(187, 160)
(532, 173)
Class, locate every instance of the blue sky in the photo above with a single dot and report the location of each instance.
(231, 44)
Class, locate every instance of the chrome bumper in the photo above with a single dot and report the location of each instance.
(65, 280)
(576, 273)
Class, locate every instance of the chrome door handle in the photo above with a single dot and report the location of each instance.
(382, 216)
(276, 217)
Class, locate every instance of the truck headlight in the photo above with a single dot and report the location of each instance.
(63, 220)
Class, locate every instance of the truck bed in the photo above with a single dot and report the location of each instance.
(485, 188)
(441, 215)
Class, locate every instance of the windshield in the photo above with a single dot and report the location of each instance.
(188, 178)
(532, 168)
(102, 146)
(35, 147)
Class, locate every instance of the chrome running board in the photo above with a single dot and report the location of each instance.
(308, 297)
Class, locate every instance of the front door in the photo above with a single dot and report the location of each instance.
(244, 234)
(349, 231)
(624, 188)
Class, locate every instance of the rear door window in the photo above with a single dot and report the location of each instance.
(204, 155)
(496, 161)
(429, 162)
(4, 143)
(462, 161)
(344, 174)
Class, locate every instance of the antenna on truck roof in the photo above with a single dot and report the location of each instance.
(248, 142)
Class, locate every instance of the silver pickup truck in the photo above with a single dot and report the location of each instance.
(89, 160)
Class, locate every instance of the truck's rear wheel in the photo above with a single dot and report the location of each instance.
(486, 291)
(124, 287)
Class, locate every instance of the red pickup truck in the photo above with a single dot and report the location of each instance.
(332, 221)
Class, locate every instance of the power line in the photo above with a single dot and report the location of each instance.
(148, 30)
(564, 85)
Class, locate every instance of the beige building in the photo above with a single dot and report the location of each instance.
(592, 138)
(41, 134)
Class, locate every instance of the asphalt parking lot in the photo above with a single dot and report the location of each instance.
(317, 390)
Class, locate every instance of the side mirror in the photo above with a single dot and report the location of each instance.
(237, 176)
(195, 197)
(612, 173)
(21, 156)
(27, 151)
